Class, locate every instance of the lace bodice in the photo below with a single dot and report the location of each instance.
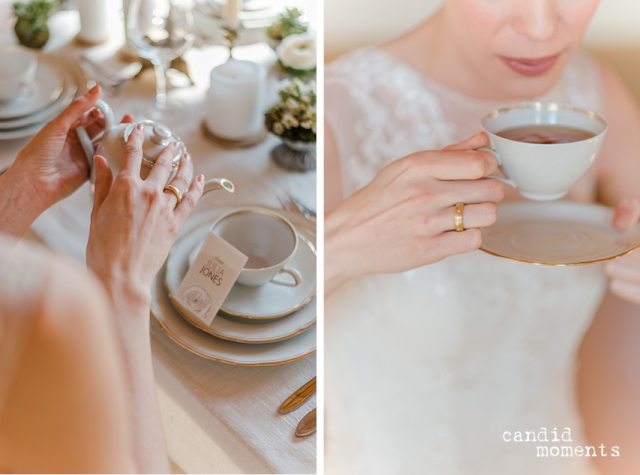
(427, 369)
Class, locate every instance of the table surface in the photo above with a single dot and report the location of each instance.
(217, 417)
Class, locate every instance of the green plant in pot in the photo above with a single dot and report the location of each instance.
(288, 23)
(31, 28)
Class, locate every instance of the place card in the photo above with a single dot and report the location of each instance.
(209, 280)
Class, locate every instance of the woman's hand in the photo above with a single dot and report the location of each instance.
(405, 217)
(134, 221)
(624, 272)
(50, 166)
(53, 162)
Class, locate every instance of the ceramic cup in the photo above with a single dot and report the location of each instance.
(543, 171)
(17, 72)
(267, 239)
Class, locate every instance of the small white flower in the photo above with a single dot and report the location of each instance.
(306, 124)
(289, 121)
(278, 128)
(292, 103)
(298, 52)
(305, 98)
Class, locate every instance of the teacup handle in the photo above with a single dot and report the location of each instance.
(83, 137)
(293, 273)
(506, 180)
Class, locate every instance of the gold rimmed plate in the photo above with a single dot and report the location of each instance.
(238, 329)
(210, 347)
(557, 233)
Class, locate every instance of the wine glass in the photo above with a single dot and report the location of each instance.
(160, 31)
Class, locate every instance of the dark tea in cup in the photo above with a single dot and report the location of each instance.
(546, 134)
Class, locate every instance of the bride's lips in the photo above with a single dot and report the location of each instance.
(531, 66)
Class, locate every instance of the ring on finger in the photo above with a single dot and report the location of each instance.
(457, 217)
(175, 191)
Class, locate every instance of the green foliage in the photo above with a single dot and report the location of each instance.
(288, 23)
(35, 12)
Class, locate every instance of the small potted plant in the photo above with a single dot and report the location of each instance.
(293, 119)
(31, 28)
(288, 23)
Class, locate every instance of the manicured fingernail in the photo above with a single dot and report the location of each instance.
(93, 90)
(200, 178)
(140, 127)
(186, 156)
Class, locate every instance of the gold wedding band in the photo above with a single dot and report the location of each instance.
(175, 191)
(457, 217)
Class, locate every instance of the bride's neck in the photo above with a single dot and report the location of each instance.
(434, 49)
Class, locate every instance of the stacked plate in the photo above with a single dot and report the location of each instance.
(266, 325)
(57, 82)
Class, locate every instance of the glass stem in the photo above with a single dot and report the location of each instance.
(160, 68)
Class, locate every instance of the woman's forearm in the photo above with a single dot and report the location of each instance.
(132, 323)
(19, 204)
(340, 255)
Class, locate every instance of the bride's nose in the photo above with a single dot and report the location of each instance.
(535, 19)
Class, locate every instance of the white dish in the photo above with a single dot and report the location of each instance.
(75, 83)
(233, 329)
(46, 88)
(557, 233)
(208, 346)
(270, 300)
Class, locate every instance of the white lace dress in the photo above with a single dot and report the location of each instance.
(427, 369)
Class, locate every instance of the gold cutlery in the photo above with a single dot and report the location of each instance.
(298, 398)
(307, 425)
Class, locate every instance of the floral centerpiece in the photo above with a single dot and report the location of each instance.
(297, 55)
(31, 28)
(294, 120)
(288, 23)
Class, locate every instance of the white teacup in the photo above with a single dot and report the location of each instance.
(266, 238)
(543, 171)
(17, 72)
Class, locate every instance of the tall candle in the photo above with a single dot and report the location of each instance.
(94, 20)
(236, 100)
(232, 21)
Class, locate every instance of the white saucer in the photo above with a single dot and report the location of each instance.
(235, 329)
(208, 346)
(557, 233)
(76, 82)
(46, 89)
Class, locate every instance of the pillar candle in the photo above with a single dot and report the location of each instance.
(236, 100)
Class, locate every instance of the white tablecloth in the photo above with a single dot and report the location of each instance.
(217, 417)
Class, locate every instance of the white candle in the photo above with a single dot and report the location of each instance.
(94, 20)
(235, 102)
(232, 21)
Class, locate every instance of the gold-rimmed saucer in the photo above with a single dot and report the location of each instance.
(557, 233)
(239, 329)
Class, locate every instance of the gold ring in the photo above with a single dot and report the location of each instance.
(457, 217)
(175, 191)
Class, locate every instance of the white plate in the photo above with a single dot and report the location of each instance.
(208, 346)
(46, 89)
(557, 233)
(229, 328)
(78, 83)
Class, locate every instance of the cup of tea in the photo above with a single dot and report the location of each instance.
(544, 148)
(267, 239)
(17, 72)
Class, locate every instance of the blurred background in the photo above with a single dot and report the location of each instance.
(613, 36)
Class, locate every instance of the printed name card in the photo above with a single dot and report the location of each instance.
(209, 280)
